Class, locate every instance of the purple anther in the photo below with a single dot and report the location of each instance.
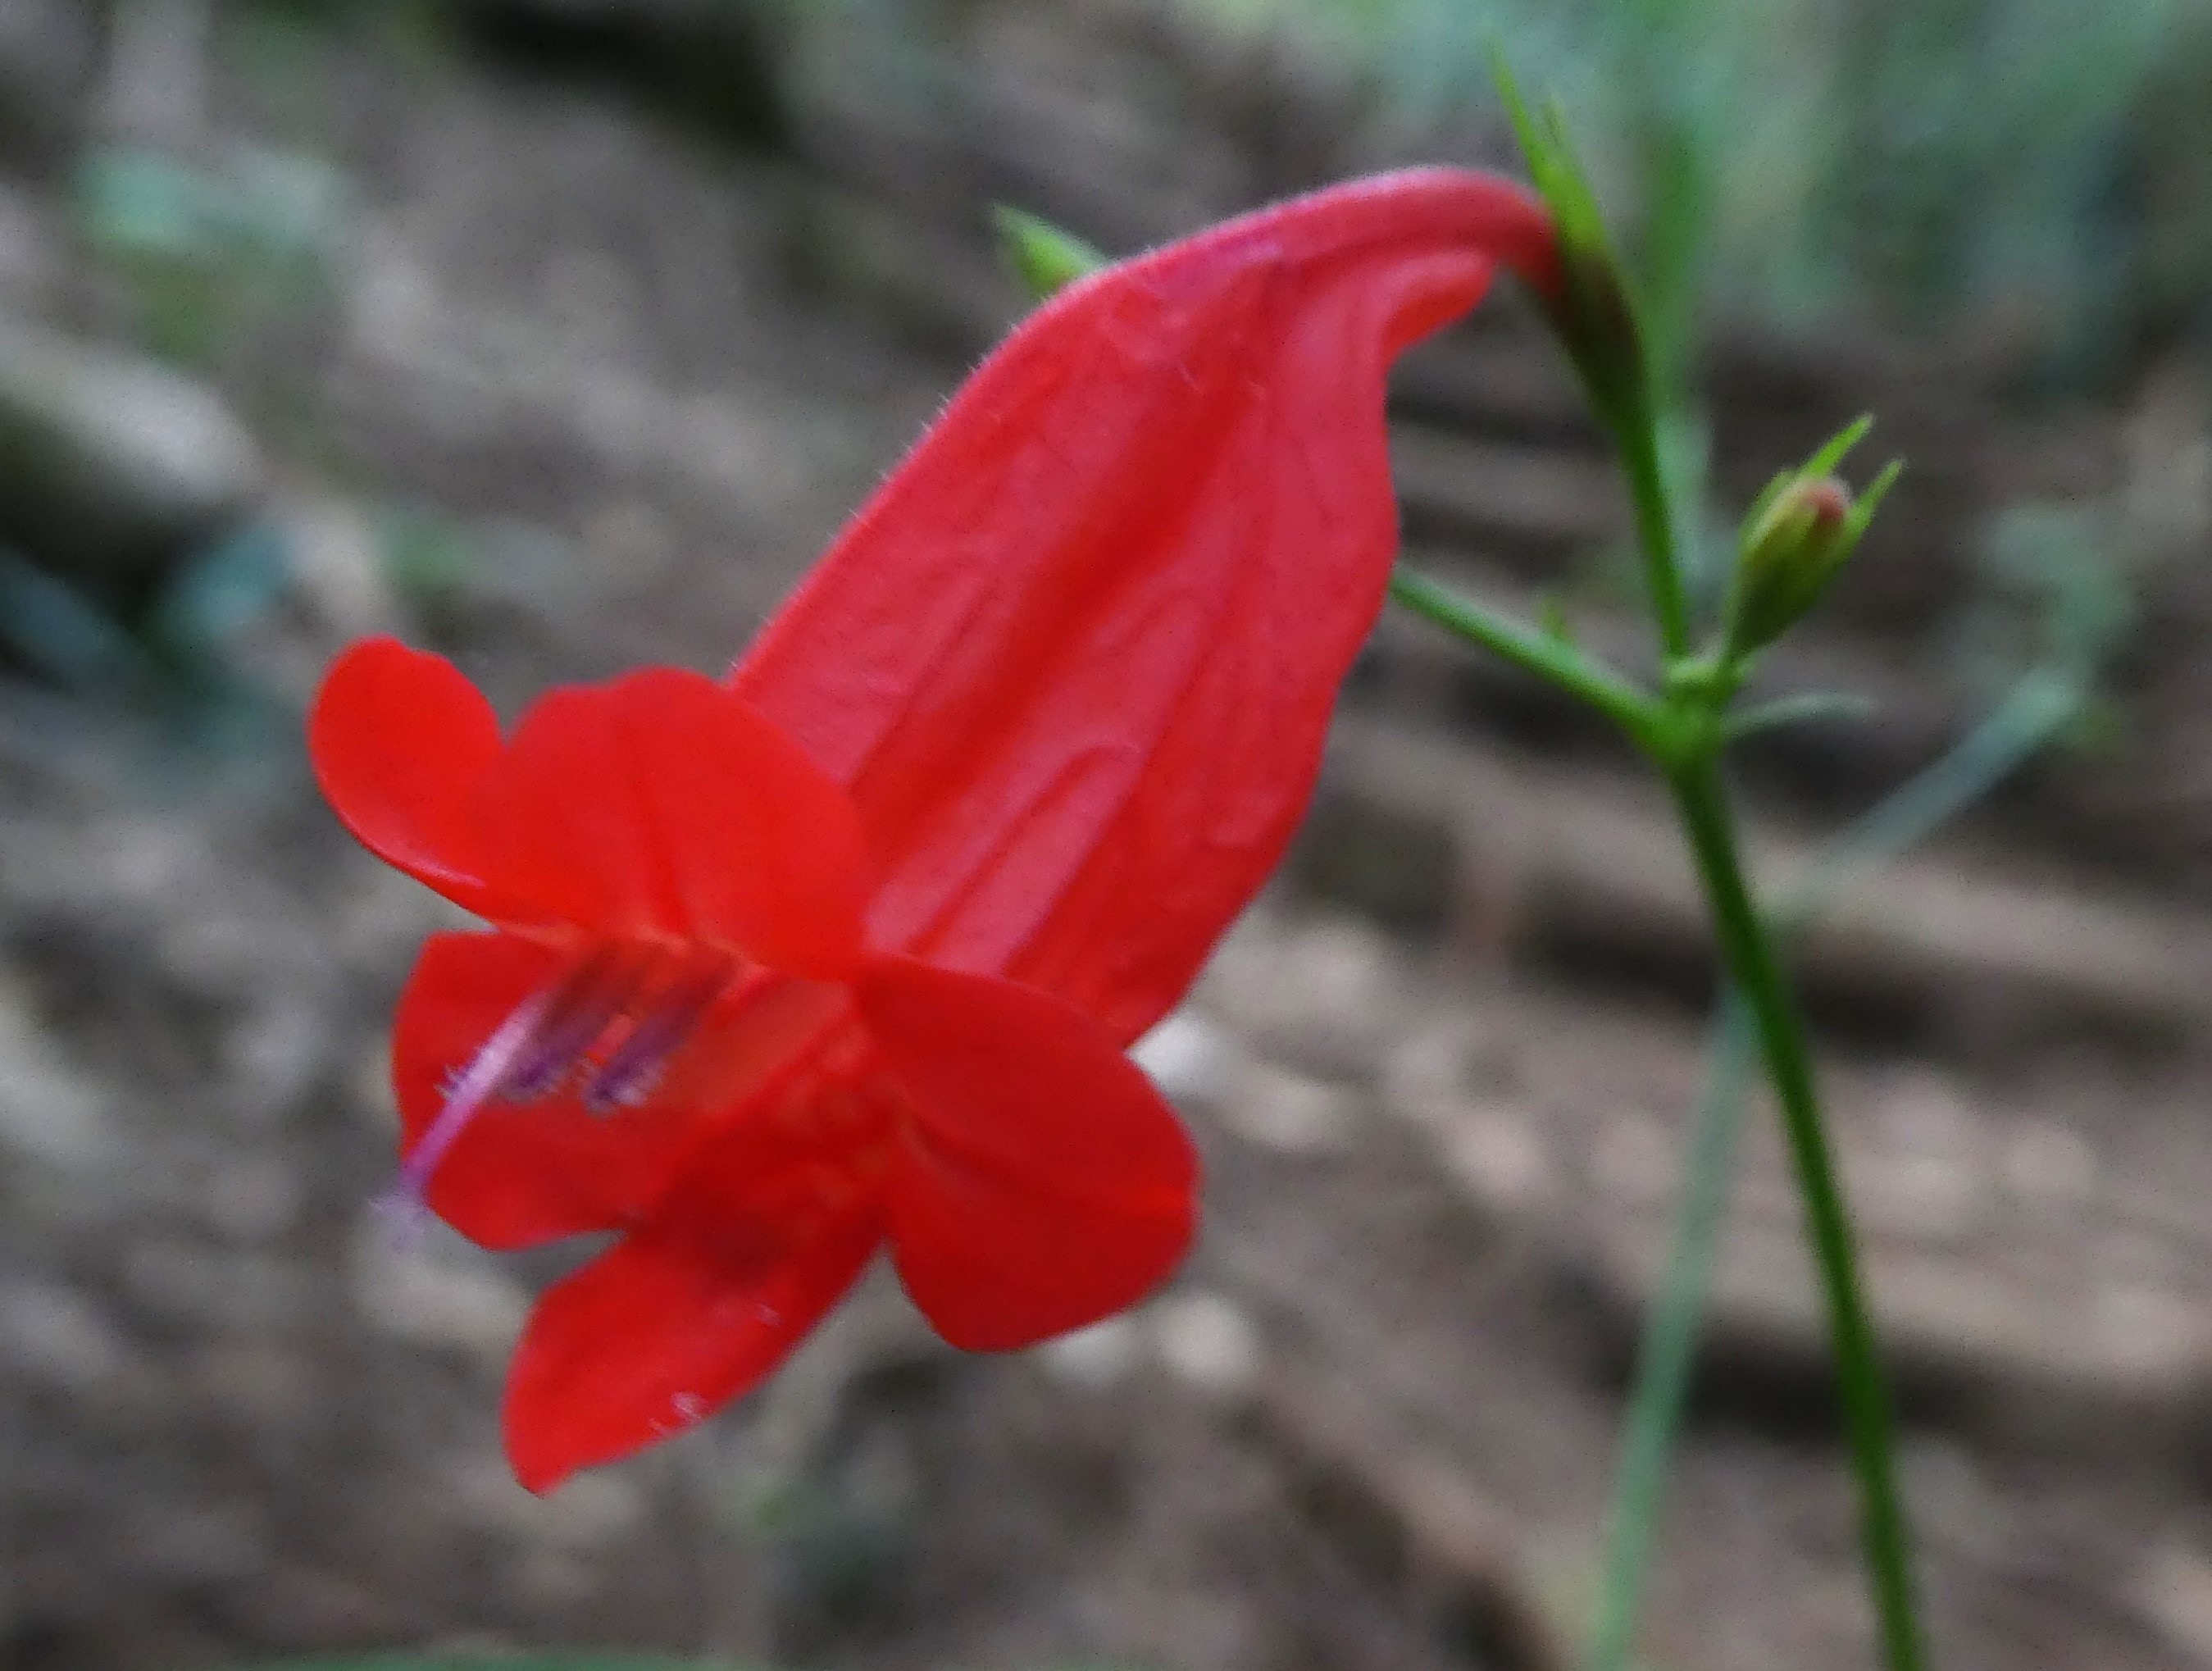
(578, 1012)
(511, 1041)
(629, 1073)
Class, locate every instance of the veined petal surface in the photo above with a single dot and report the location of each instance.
(1075, 660)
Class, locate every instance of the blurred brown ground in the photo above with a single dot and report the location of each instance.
(625, 309)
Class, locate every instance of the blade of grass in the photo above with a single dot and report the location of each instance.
(2037, 708)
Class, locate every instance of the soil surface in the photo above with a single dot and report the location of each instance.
(589, 380)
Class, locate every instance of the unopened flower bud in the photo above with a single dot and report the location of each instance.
(1791, 548)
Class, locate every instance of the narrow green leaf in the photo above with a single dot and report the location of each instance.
(1805, 707)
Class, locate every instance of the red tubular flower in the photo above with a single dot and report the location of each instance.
(843, 952)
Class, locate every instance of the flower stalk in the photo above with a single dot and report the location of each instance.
(1783, 563)
(1755, 969)
(2043, 702)
(1684, 729)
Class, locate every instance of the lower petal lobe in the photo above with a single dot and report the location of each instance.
(661, 804)
(1039, 1182)
(655, 1336)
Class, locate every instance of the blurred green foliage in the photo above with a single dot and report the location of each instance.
(175, 658)
(424, 556)
(205, 254)
(2042, 163)
(2053, 596)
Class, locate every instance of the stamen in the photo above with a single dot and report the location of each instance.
(629, 1073)
(543, 1039)
(477, 1084)
(582, 1007)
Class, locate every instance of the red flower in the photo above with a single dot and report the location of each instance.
(845, 951)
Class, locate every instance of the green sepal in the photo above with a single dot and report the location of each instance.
(1594, 309)
(1044, 257)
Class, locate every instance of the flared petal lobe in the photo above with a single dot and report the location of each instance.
(400, 741)
(764, 1229)
(1040, 1182)
(658, 1334)
(1075, 661)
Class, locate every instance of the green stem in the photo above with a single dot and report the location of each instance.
(1748, 951)
(1547, 657)
(2041, 703)
(1637, 438)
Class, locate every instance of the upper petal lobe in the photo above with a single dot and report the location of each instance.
(661, 804)
(399, 740)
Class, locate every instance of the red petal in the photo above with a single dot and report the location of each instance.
(662, 803)
(654, 1336)
(519, 1173)
(1040, 1182)
(1075, 659)
(761, 1233)
(400, 739)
